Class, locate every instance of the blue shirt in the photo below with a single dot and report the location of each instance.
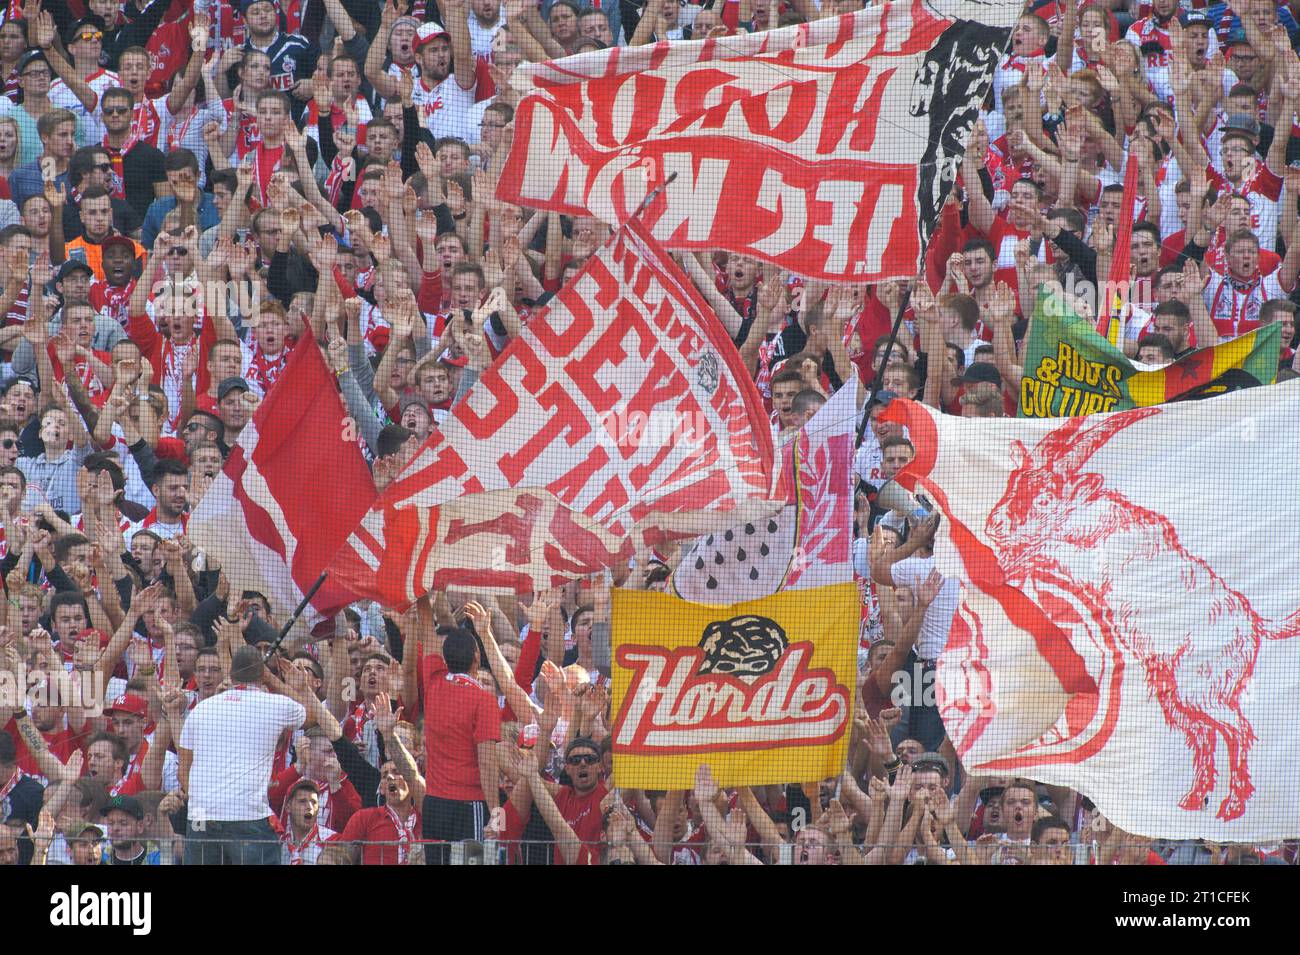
(158, 209)
(26, 181)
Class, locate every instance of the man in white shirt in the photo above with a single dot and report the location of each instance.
(226, 752)
(907, 566)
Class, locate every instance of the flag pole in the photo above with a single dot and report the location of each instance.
(651, 196)
(284, 631)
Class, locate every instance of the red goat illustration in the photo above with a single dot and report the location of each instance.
(1055, 519)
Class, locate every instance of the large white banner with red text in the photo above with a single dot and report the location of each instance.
(620, 416)
(1130, 625)
(827, 148)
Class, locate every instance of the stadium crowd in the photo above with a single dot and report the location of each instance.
(340, 157)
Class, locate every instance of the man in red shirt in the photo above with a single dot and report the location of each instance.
(579, 800)
(462, 724)
(338, 799)
(387, 832)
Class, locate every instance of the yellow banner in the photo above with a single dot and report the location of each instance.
(763, 692)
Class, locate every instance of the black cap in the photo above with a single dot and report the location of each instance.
(127, 804)
(229, 385)
(980, 371)
(70, 266)
(883, 398)
(1194, 18)
(30, 57)
(92, 21)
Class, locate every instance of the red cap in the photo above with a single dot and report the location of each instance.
(173, 448)
(129, 703)
(427, 33)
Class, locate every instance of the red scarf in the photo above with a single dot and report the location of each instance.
(13, 781)
(405, 831)
(265, 163)
(176, 132)
(296, 851)
(265, 369)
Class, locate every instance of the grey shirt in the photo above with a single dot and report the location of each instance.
(57, 479)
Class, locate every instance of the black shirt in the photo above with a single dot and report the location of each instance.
(24, 802)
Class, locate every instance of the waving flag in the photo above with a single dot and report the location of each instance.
(808, 543)
(761, 691)
(1112, 638)
(620, 416)
(1119, 282)
(840, 139)
(292, 490)
(1072, 370)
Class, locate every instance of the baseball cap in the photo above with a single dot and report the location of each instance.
(883, 398)
(129, 703)
(229, 385)
(117, 239)
(83, 830)
(980, 371)
(91, 21)
(243, 7)
(30, 57)
(1194, 18)
(127, 804)
(70, 266)
(427, 33)
(581, 742)
(1245, 123)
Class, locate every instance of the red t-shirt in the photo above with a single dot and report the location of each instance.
(458, 715)
(382, 843)
(62, 743)
(583, 814)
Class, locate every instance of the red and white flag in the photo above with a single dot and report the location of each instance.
(827, 148)
(621, 416)
(808, 544)
(1112, 637)
(293, 488)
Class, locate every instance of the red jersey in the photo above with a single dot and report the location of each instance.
(583, 814)
(459, 713)
(62, 743)
(111, 300)
(385, 838)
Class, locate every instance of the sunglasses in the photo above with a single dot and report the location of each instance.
(178, 251)
(116, 110)
(89, 37)
(37, 74)
(589, 759)
(104, 166)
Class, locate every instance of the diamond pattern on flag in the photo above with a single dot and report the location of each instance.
(808, 544)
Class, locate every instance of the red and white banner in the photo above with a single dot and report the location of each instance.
(622, 408)
(292, 489)
(1113, 637)
(808, 544)
(827, 148)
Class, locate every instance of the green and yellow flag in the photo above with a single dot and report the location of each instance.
(1071, 370)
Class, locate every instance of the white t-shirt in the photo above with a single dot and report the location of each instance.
(90, 127)
(447, 109)
(938, 616)
(233, 737)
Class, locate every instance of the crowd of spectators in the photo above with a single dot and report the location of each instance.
(338, 160)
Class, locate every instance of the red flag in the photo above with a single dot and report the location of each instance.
(619, 415)
(839, 138)
(1115, 297)
(293, 488)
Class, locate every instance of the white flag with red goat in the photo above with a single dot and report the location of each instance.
(621, 416)
(807, 544)
(292, 489)
(1130, 620)
(827, 148)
